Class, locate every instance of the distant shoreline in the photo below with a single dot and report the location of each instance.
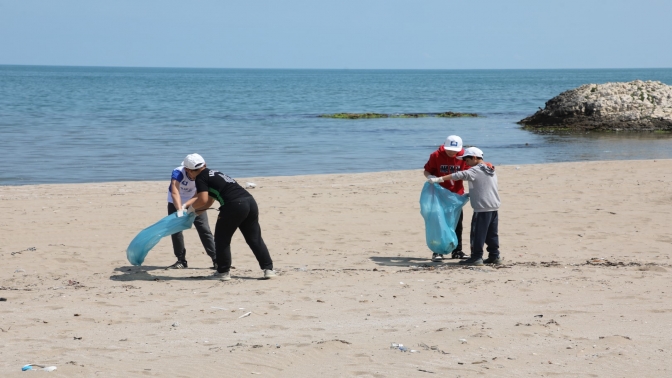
(332, 69)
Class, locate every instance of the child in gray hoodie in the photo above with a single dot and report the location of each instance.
(484, 200)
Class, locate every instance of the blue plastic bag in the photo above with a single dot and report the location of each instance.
(441, 209)
(150, 236)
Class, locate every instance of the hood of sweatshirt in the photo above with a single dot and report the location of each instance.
(487, 170)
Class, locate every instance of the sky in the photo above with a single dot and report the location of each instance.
(343, 34)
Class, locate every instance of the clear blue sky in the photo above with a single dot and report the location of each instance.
(418, 34)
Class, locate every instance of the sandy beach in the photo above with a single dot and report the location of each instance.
(585, 289)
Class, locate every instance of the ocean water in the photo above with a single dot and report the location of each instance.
(95, 124)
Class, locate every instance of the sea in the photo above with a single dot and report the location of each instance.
(101, 124)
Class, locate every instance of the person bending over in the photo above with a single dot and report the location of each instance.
(181, 194)
(238, 210)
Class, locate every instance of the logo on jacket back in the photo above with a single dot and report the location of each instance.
(450, 169)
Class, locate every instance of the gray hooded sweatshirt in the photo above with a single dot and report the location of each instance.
(483, 193)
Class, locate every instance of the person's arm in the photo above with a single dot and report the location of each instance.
(175, 193)
(202, 202)
(190, 202)
(429, 167)
(428, 174)
(436, 180)
(207, 205)
(457, 176)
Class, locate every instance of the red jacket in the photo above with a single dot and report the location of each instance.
(439, 164)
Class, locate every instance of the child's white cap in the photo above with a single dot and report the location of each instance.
(471, 151)
(453, 143)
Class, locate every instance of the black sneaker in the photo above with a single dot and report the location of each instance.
(437, 257)
(472, 261)
(458, 255)
(178, 265)
(493, 260)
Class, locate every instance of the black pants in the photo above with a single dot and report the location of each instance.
(458, 232)
(484, 231)
(242, 214)
(203, 228)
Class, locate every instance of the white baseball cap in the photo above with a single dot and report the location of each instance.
(453, 143)
(193, 161)
(471, 151)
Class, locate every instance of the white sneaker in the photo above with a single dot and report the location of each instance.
(226, 276)
(268, 273)
(437, 258)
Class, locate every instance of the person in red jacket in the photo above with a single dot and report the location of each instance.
(443, 162)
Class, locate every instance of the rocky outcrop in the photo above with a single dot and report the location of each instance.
(634, 106)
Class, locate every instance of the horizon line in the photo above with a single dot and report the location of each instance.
(328, 69)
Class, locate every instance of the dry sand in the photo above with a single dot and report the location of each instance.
(585, 290)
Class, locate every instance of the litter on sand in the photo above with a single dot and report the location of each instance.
(402, 348)
(245, 315)
(41, 367)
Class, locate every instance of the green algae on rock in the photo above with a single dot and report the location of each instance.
(455, 115)
(354, 115)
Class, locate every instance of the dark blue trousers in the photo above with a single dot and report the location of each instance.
(484, 231)
(458, 232)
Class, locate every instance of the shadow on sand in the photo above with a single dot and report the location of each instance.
(409, 261)
(142, 273)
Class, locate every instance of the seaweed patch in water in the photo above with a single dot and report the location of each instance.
(398, 115)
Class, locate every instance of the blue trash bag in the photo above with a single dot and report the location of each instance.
(150, 236)
(441, 209)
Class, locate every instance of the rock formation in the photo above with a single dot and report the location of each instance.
(634, 106)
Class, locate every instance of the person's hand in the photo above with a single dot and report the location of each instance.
(430, 176)
(182, 211)
(435, 180)
(191, 210)
(465, 195)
